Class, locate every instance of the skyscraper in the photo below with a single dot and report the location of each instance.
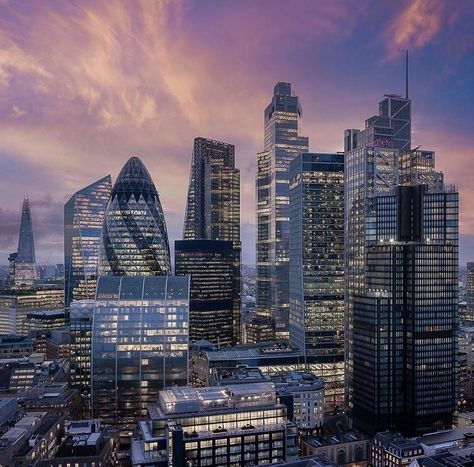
(213, 204)
(139, 345)
(134, 235)
(213, 214)
(316, 249)
(210, 265)
(372, 167)
(470, 291)
(282, 144)
(25, 261)
(83, 219)
(405, 321)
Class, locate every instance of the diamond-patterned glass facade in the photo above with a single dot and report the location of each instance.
(134, 235)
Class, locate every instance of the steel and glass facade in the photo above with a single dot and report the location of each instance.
(24, 262)
(80, 328)
(405, 322)
(134, 236)
(213, 213)
(281, 144)
(316, 250)
(371, 167)
(210, 265)
(83, 219)
(470, 292)
(139, 345)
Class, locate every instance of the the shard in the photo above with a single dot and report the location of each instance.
(24, 268)
(134, 236)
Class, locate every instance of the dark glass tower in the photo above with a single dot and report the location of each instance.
(213, 214)
(405, 322)
(282, 144)
(317, 267)
(139, 345)
(83, 219)
(25, 261)
(210, 264)
(134, 235)
(213, 204)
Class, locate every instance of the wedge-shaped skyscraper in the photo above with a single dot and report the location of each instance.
(134, 235)
(83, 219)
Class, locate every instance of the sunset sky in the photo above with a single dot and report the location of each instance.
(84, 85)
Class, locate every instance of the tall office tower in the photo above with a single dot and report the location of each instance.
(282, 144)
(405, 321)
(139, 345)
(317, 267)
(80, 329)
(83, 219)
(134, 236)
(213, 204)
(210, 264)
(372, 167)
(213, 213)
(24, 260)
(470, 291)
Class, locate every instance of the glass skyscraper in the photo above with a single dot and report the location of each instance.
(282, 144)
(372, 167)
(139, 345)
(83, 219)
(316, 249)
(210, 265)
(405, 321)
(134, 235)
(213, 213)
(213, 203)
(23, 267)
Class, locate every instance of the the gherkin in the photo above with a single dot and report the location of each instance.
(134, 235)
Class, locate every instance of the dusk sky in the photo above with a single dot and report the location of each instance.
(85, 85)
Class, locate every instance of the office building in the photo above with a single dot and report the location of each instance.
(50, 319)
(391, 449)
(236, 425)
(316, 248)
(282, 143)
(139, 345)
(134, 236)
(16, 304)
(213, 213)
(210, 265)
(405, 323)
(23, 262)
(276, 357)
(86, 443)
(470, 292)
(83, 219)
(372, 167)
(80, 328)
(213, 203)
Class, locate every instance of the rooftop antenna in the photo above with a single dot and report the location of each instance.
(406, 74)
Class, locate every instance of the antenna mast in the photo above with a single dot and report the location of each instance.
(406, 73)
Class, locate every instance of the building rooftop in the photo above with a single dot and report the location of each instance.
(186, 399)
(243, 351)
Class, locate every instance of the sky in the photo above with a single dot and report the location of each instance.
(86, 84)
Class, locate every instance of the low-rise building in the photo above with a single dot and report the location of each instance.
(87, 444)
(391, 449)
(12, 346)
(33, 437)
(235, 425)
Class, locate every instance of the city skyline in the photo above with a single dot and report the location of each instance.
(49, 107)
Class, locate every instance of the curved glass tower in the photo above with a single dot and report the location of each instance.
(134, 236)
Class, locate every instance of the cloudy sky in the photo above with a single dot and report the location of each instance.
(86, 84)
